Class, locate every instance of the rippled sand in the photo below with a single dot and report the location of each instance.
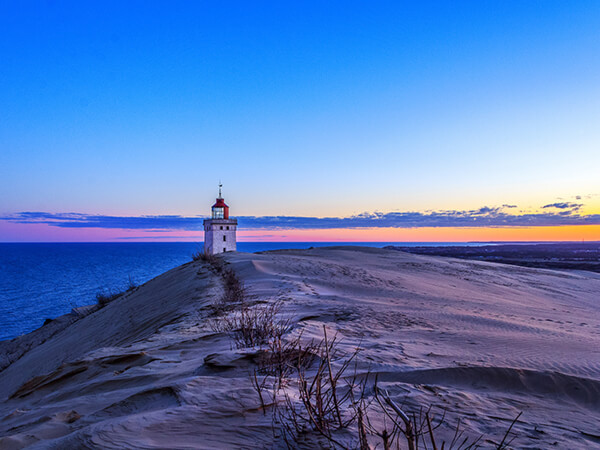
(484, 341)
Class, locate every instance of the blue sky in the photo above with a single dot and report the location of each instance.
(317, 109)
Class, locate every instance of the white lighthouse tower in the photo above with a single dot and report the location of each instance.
(219, 230)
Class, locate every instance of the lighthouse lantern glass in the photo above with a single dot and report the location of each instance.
(218, 212)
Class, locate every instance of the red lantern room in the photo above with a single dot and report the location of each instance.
(220, 210)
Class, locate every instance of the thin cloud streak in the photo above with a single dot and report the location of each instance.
(564, 214)
(564, 205)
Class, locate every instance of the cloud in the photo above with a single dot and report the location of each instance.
(486, 216)
(77, 220)
(564, 205)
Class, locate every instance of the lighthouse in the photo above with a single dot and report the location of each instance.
(219, 230)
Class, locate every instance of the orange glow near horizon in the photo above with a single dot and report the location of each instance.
(428, 234)
(45, 233)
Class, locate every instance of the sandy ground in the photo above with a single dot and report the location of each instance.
(484, 341)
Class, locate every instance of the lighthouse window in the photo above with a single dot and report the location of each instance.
(227, 227)
(224, 238)
(218, 213)
(221, 228)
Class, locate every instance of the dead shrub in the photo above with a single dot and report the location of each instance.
(105, 297)
(234, 295)
(202, 255)
(235, 291)
(337, 404)
(282, 358)
(417, 429)
(252, 326)
(198, 256)
(326, 397)
(215, 263)
(131, 284)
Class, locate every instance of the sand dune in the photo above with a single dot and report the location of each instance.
(485, 341)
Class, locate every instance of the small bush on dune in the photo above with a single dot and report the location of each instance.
(284, 356)
(104, 298)
(235, 292)
(202, 255)
(338, 404)
(252, 326)
(198, 256)
(328, 397)
(131, 284)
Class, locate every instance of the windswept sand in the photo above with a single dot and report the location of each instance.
(485, 341)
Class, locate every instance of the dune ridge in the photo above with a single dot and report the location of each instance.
(483, 340)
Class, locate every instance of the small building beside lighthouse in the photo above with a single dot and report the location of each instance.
(219, 230)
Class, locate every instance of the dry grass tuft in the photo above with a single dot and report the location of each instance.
(341, 406)
(327, 396)
(202, 255)
(252, 326)
(103, 298)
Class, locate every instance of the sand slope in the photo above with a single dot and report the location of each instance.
(484, 340)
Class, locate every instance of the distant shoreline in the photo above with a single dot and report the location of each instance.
(544, 255)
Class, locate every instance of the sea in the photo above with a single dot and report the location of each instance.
(40, 281)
